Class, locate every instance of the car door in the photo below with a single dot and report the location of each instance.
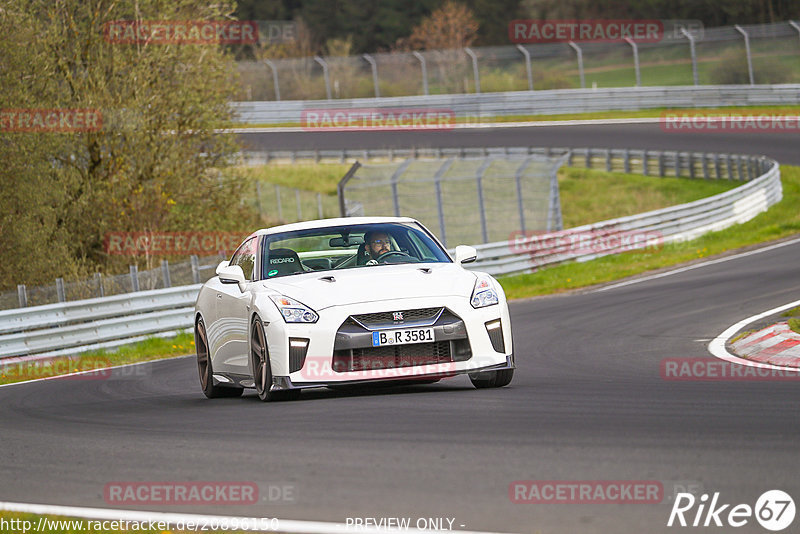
(233, 313)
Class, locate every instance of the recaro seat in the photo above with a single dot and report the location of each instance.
(285, 261)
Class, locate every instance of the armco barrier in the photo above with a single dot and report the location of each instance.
(475, 107)
(76, 326)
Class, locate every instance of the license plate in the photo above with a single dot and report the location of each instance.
(402, 337)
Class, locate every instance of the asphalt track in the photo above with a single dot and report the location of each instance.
(588, 402)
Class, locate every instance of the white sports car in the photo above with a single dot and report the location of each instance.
(343, 301)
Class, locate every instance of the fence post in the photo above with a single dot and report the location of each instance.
(481, 208)
(22, 294)
(747, 51)
(694, 55)
(635, 60)
(62, 297)
(325, 74)
(374, 67)
(165, 273)
(297, 199)
(795, 26)
(580, 62)
(520, 203)
(528, 69)
(394, 179)
(424, 71)
(340, 187)
(554, 220)
(319, 205)
(195, 269)
(274, 69)
(437, 181)
(100, 289)
(134, 270)
(475, 73)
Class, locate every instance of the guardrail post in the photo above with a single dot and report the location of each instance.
(741, 175)
(274, 69)
(22, 294)
(165, 273)
(691, 165)
(325, 74)
(374, 66)
(579, 52)
(717, 167)
(608, 160)
(626, 161)
(569, 158)
(677, 164)
(319, 205)
(278, 200)
(134, 270)
(62, 297)
(437, 182)
(694, 55)
(747, 51)
(100, 289)
(661, 164)
(481, 208)
(395, 178)
(729, 165)
(424, 71)
(705, 167)
(195, 262)
(475, 72)
(520, 203)
(588, 158)
(635, 60)
(528, 69)
(297, 199)
(645, 170)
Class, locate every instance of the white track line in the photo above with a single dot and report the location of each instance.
(55, 377)
(284, 525)
(698, 265)
(458, 126)
(717, 345)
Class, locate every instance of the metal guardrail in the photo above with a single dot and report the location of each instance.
(64, 328)
(480, 107)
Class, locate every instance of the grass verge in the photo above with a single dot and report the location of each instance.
(154, 348)
(794, 324)
(781, 220)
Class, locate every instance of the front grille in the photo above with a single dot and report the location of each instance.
(371, 358)
(382, 319)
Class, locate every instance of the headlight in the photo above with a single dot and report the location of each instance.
(484, 293)
(294, 311)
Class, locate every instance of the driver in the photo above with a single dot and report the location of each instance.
(378, 243)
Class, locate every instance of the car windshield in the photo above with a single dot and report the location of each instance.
(348, 247)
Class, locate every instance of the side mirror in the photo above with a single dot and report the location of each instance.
(231, 274)
(466, 254)
(222, 265)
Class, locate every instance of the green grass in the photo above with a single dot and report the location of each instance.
(794, 324)
(589, 196)
(320, 178)
(794, 312)
(154, 348)
(781, 220)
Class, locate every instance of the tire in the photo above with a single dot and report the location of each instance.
(205, 370)
(260, 367)
(492, 379)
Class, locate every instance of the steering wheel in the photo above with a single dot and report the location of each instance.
(391, 253)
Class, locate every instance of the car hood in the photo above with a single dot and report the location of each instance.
(370, 284)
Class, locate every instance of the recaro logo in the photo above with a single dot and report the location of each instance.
(282, 260)
(774, 510)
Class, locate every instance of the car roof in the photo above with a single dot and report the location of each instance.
(327, 223)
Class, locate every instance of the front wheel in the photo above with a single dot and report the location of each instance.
(492, 379)
(204, 367)
(260, 367)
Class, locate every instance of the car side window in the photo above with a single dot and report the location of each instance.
(245, 257)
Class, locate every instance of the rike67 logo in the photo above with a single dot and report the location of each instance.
(774, 510)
